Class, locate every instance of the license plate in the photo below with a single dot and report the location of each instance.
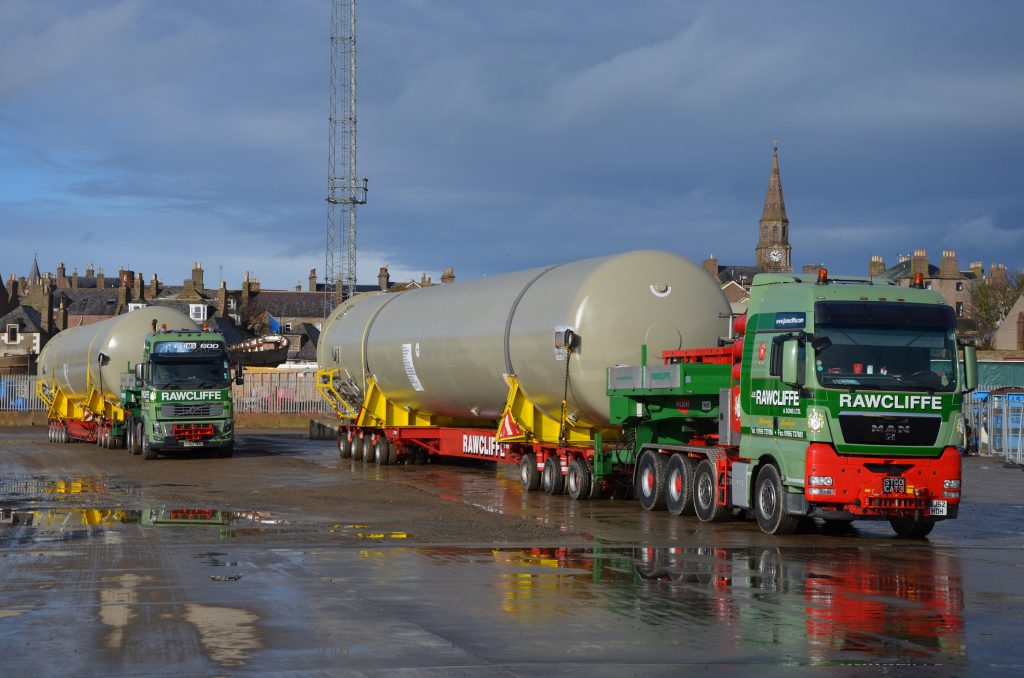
(938, 507)
(894, 485)
(191, 443)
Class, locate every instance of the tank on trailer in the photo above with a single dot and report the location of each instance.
(447, 349)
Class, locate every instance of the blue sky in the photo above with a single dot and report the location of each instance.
(499, 136)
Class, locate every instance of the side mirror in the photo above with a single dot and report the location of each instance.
(791, 373)
(970, 368)
(239, 377)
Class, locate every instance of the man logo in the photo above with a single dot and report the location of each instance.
(891, 431)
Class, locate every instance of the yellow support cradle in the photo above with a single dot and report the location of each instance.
(535, 426)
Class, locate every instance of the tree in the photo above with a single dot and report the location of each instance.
(990, 300)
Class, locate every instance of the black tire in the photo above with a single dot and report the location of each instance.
(344, 445)
(705, 487)
(140, 433)
(357, 446)
(578, 480)
(650, 480)
(769, 503)
(392, 453)
(909, 527)
(381, 454)
(368, 455)
(529, 476)
(552, 479)
(679, 485)
(148, 452)
(226, 451)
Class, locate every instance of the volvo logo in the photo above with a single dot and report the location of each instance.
(890, 431)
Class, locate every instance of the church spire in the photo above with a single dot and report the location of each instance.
(34, 275)
(773, 248)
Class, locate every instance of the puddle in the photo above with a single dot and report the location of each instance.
(227, 634)
(820, 603)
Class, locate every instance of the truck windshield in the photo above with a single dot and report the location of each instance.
(190, 373)
(895, 346)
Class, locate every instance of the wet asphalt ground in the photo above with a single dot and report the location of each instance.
(288, 561)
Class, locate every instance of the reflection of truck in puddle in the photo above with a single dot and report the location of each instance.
(843, 600)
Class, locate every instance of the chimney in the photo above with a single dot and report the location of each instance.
(74, 279)
(919, 264)
(711, 266)
(948, 266)
(876, 266)
(222, 299)
(4, 299)
(383, 278)
(448, 276)
(298, 285)
(62, 278)
(100, 280)
(122, 298)
(138, 287)
(46, 311)
(997, 273)
(60, 319)
(978, 269)
(89, 272)
(246, 291)
(312, 280)
(154, 288)
(12, 290)
(197, 277)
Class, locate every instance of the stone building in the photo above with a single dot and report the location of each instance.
(947, 278)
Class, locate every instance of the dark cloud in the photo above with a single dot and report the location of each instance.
(498, 137)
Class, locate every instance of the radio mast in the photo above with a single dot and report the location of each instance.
(344, 191)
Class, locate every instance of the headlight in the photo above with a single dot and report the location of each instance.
(820, 480)
(951, 484)
(157, 428)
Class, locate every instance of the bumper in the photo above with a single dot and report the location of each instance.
(883, 487)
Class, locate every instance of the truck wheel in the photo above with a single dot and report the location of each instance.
(679, 485)
(147, 451)
(357, 446)
(140, 433)
(705, 487)
(650, 480)
(380, 452)
(909, 527)
(529, 476)
(368, 449)
(551, 478)
(769, 503)
(344, 446)
(226, 451)
(578, 480)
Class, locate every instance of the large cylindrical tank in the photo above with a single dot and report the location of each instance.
(71, 360)
(445, 349)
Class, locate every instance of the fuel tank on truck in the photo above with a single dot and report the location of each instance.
(71, 360)
(445, 349)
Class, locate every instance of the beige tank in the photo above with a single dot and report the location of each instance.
(71, 360)
(445, 349)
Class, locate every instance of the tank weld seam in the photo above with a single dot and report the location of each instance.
(511, 314)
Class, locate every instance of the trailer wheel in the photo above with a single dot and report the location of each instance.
(650, 480)
(380, 452)
(679, 485)
(910, 527)
(344, 445)
(529, 476)
(705, 487)
(357, 446)
(552, 478)
(578, 480)
(392, 453)
(769, 509)
(148, 452)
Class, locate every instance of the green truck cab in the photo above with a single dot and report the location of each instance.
(179, 396)
(838, 399)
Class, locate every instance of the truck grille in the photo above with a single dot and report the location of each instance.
(177, 410)
(871, 429)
